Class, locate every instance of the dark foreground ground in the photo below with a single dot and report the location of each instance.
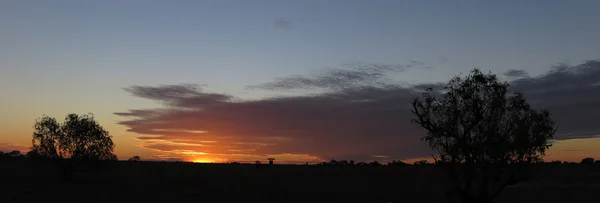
(27, 181)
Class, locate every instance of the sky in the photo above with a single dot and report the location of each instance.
(246, 80)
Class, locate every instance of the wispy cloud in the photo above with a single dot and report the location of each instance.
(283, 24)
(361, 116)
(516, 73)
(443, 59)
(353, 75)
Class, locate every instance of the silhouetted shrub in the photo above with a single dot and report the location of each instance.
(374, 163)
(588, 160)
(333, 162)
(397, 163)
(421, 162)
(14, 154)
(361, 164)
(343, 162)
(351, 163)
(135, 158)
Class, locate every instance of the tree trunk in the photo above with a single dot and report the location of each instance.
(66, 169)
(486, 200)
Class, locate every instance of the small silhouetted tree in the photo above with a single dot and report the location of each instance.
(333, 162)
(588, 160)
(13, 153)
(397, 163)
(343, 163)
(375, 163)
(77, 140)
(484, 136)
(421, 163)
(135, 158)
(33, 155)
(361, 164)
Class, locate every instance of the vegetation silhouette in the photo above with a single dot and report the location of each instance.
(135, 158)
(485, 137)
(588, 160)
(78, 143)
(485, 140)
(13, 153)
(243, 182)
(421, 162)
(397, 163)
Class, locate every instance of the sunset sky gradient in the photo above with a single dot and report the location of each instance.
(301, 81)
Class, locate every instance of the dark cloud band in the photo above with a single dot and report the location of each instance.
(361, 117)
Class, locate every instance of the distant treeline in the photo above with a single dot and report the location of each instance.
(16, 154)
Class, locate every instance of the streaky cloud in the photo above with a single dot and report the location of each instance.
(353, 75)
(512, 73)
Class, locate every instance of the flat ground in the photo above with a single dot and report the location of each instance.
(27, 181)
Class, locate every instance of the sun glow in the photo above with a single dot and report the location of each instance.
(203, 161)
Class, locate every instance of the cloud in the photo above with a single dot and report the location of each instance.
(183, 95)
(516, 73)
(443, 59)
(571, 93)
(569, 136)
(283, 24)
(350, 124)
(361, 116)
(353, 75)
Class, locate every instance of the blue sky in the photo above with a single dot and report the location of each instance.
(76, 56)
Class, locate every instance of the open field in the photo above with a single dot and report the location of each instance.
(27, 181)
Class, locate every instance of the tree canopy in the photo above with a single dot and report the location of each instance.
(481, 131)
(79, 137)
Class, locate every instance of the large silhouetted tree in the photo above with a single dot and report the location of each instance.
(78, 139)
(484, 136)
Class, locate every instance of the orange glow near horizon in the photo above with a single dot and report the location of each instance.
(203, 160)
(571, 150)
